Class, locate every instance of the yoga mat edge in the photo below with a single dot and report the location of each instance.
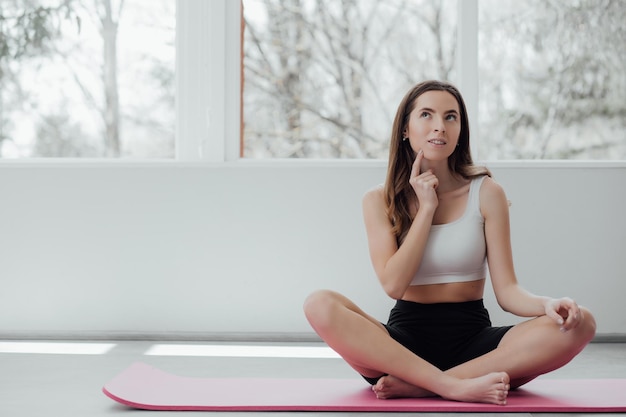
(142, 386)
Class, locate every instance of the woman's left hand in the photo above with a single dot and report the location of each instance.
(565, 312)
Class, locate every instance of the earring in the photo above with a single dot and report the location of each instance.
(404, 139)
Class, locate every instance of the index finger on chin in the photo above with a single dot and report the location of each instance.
(416, 168)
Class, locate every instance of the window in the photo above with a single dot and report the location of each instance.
(87, 79)
(552, 80)
(323, 78)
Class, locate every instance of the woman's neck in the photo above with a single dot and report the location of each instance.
(448, 180)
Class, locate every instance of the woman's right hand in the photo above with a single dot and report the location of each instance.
(424, 184)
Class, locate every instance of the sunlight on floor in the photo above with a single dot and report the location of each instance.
(321, 352)
(55, 348)
(209, 350)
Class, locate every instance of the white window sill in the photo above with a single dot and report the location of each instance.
(283, 163)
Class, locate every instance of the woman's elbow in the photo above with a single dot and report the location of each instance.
(503, 302)
(394, 291)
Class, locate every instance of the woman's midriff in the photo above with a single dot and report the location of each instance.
(456, 292)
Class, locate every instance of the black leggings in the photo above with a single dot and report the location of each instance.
(444, 334)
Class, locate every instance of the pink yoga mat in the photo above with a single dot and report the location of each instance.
(145, 387)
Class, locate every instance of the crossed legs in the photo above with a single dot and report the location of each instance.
(526, 351)
(366, 346)
(529, 349)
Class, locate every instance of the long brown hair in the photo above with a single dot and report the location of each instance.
(398, 192)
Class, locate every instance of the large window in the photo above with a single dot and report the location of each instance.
(87, 78)
(323, 78)
(552, 78)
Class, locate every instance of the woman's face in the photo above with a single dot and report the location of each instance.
(434, 125)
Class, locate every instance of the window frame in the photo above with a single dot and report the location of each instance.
(208, 80)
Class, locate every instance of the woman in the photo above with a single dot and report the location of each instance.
(432, 229)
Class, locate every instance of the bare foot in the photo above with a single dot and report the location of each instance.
(492, 389)
(389, 387)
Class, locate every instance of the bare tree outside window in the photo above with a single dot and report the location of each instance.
(552, 79)
(323, 77)
(87, 78)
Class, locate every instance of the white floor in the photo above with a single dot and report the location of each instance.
(52, 380)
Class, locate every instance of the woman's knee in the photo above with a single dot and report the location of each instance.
(319, 305)
(587, 324)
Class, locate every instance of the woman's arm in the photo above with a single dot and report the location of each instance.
(509, 294)
(396, 266)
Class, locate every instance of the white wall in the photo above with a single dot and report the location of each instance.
(192, 249)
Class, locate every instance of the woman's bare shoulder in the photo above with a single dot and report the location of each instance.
(374, 196)
(492, 196)
(492, 189)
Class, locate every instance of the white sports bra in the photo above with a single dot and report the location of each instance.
(456, 251)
